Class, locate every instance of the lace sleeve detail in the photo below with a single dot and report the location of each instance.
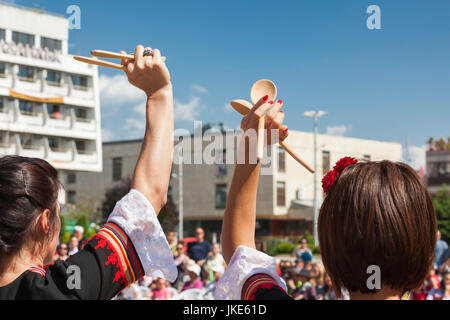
(136, 216)
(245, 263)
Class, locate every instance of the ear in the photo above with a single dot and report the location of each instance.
(44, 221)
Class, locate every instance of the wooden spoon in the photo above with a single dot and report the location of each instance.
(244, 107)
(262, 87)
(259, 89)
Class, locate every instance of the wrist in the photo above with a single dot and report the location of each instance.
(162, 93)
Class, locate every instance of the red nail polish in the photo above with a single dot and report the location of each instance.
(280, 101)
(266, 97)
(281, 111)
(271, 102)
(286, 130)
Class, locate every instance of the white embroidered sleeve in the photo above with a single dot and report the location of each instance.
(136, 216)
(245, 263)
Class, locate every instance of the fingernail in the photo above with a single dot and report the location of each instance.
(271, 102)
(286, 130)
(281, 111)
(280, 101)
(266, 97)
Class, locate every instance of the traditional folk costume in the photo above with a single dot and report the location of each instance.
(251, 275)
(130, 245)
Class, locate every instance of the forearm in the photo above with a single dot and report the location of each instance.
(239, 221)
(152, 172)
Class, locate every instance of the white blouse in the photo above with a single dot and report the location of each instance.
(245, 263)
(136, 216)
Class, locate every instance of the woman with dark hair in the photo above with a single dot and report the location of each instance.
(376, 216)
(129, 246)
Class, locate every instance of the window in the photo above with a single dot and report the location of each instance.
(54, 111)
(81, 146)
(80, 114)
(79, 82)
(23, 38)
(26, 140)
(3, 138)
(325, 162)
(71, 197)
(71, 177)
(117, 169)
(54, 78)
(281, 160)
(53, 143)
(2, 34)
(26, 73)
(50, 44)
(26, 107)
(221, 195)
(2, 104)
(281, 194)
(2, 69)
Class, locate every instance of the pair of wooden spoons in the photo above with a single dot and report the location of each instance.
(259, 89)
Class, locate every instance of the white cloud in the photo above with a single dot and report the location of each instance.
(227, 107)
(117, 90)
(199, 88)
(187, 111)
(338, 130)
(107, 135)
(415, 156)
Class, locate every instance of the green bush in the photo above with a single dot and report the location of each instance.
(285, 247)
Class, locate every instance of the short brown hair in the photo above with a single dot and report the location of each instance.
(377, 213)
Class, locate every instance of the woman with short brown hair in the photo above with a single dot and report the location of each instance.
(376, 215)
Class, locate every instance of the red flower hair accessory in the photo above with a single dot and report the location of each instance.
(331, 177)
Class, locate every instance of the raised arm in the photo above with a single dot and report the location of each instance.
(238, 226)
(152, 173)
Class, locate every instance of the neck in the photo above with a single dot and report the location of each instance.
(13, 267)
(385, 293)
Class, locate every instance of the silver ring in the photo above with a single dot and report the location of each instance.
(148, 52)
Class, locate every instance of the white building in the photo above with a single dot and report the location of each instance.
(49, 103)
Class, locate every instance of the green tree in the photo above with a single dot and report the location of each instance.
(84, 222)
(113, 195)
(442, 206)
(168, 217)
(63, 231)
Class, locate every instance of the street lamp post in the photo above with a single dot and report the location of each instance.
(180, 195)
(315, 115)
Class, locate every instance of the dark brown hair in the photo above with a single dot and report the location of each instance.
(27, 187)
(377, 213)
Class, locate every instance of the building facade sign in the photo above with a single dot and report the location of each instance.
(33, 53)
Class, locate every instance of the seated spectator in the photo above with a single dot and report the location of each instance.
(73, 245)
(301, 248)
(443, 293)
(432, 281)
(445, 267)
(200, 249)
(215, 260)
(78, 232)
(62, 251)
(419, 293)
(171, 240)
(441, 251)
(161, 292)
(193, 272)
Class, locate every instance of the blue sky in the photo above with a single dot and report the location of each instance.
(378, 84)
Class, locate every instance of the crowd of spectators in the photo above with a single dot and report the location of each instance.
(200, 266)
